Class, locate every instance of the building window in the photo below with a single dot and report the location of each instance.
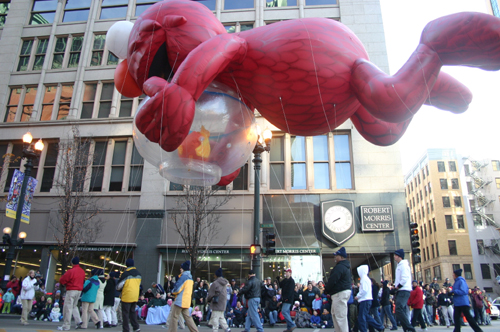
(444, 183)
(142, 5)
(136, 168)
(453, 166)
(452, 246)
(455, 267)
(64, 56)
(434, 224)
(432, 205)
(467, 170)
(485, 271)
(101, 56)
(320, 2)
(433, 253)
(425, 191)
(24, 57)
(429, 185)
(460, 222)
(437, 249)
(280, 3)
(35, 49)
(97, 100)
(118, 166)
(423, 174)
(480, 247)
(241, 181)
(64, 101)
(321, 165)
(496, 165)
(298, 158)
(428, 210)
(446, 201)
(454, 184)
(470, 189)
(496, 269)
(428, 276)
(437, 272)
(458, 201)
(113, 9)
(11, 161)
(4, 10)
(411, 184)
(449, 222)
(343, 161)
(497, 181)
(441, 167)
(43, 12)
(425, 258)
(277, 163)
(210, 4)
(76, 10)
(175, 187)
(478, 221)
(467, 271)
(430, 228)
(239, 4)
(425, 230)
(427, 170)
(20, 98)
(418, 177)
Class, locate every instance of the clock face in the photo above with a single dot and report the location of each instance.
(338, 219)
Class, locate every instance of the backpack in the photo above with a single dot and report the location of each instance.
(302, 319)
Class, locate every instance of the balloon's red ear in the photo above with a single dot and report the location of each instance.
(225, 180)
(172, 21)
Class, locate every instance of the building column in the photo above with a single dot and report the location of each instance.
(149, 223)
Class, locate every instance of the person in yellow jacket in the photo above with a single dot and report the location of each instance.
(130, 285)
(183, 290)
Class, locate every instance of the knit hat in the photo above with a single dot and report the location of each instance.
(186, 266)
(129, 262)
(288, 270)
(341, 252)
(75, 260)
(250, 272)
(218, 273)
(10, 289)
(400, 253)
(458, 272)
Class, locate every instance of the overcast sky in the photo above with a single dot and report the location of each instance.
(474, 132)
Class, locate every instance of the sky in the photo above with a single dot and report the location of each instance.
(474, 133)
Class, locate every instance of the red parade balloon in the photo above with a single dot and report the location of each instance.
(125, 83)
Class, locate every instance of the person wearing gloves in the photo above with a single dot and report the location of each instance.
(364, 299)
(28, 288)
(403, 287)
(287, 286)
(183, 290)
(130, 285)
(89, 295)
(339, 287)
(217, 295)
(416, 301)
(73, 279)
(462, 305)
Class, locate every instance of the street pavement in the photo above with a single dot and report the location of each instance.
(12, 324)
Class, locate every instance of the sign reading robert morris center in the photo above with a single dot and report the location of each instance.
(376, 218)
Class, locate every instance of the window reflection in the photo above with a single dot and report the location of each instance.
(76, 15)
(320, 2)
(281, 3)
(237, 4)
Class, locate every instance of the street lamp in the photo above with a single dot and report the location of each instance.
(263, 144)
(10, 237)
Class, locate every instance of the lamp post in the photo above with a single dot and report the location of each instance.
(263, 144)
(10, 236)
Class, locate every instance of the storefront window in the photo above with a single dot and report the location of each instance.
(304, 267)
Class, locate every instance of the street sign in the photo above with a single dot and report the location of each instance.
(266, 226)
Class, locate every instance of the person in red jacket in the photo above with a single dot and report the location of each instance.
(416, 301)
(15, 285)
(73, 279)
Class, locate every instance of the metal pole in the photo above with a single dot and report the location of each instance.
(257, 161)
(17, 222)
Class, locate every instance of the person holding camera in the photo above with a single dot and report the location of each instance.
(30, 284)
(217, 295)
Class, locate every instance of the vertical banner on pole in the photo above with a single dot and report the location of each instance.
(15, 192)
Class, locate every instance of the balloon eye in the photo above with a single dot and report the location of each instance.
(117, 38)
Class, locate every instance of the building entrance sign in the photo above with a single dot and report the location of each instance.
(376, 218)
(338, 222)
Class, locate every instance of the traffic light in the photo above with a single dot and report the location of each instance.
(270, 243)
(255, 249)
(415, 244)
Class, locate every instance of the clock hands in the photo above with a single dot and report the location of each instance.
(336, 219)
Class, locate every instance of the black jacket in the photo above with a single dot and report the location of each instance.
(288, 290)
(340, 279)
(200, 293)
(251, 289)
(109, 292)
(384, 300)
(375, 302)
(444, 300)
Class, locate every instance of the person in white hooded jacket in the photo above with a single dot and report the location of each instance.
(30, 285)
(365, 298)
(403, 287)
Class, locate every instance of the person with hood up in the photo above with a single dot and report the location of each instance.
(364, 299)
(89, 295)
(73, 279)
(217, 295)
(416, 301)
(462, 304)
(403, 287)
(130, 285)
(339, 288)
(387, 306)
(183, 290)
(7, 298)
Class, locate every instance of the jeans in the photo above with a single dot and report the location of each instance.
(402, 310)
(273, 317)
(457, 316)
(386, 311)
(431, 313)
(285, 310)
(253, 315)
(478, 315)
(365, 319)
(375, 314)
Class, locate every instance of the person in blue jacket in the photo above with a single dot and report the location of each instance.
(89, 295)
(462, 305)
